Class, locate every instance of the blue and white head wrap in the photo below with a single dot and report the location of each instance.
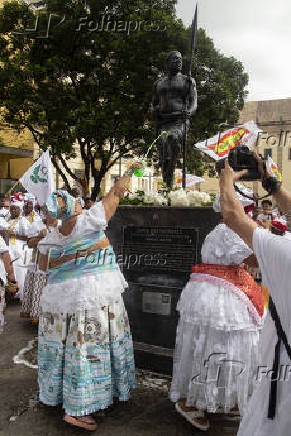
(54, 209)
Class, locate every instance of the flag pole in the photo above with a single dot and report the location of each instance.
(193, 42)
(12, 187)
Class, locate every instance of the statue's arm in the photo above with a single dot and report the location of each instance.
(192, 102)
(155, 101)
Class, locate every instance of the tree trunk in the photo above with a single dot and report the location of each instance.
(97, 176)
(95, 191)
(61, 173)
(67, 168)
(86, 161)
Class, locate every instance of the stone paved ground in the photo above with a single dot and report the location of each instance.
(149, 413)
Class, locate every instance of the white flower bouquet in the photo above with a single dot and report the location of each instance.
(156, 199)
(177, 198)
(197, 198)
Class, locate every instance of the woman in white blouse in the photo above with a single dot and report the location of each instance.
(85, 346)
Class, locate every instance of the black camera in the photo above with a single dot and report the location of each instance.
(241, 158)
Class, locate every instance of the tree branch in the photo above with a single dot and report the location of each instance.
(62, 174)
(69, 171)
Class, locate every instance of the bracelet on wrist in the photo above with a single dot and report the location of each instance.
(271, 184)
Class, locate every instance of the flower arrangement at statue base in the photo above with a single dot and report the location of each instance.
(177, 198)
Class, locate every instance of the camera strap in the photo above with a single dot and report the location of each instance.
(253, 198)
(282, 338)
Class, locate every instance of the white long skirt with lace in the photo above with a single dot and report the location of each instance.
(216, 354)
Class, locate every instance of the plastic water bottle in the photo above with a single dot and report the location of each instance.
(139, 172)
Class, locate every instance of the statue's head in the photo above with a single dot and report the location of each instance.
(174, 62)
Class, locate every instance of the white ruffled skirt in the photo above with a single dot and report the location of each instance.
(85, 350)
(216, 354)
(86, 293)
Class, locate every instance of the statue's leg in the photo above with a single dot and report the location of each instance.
(162, 149)
(168, 148)
(172, 155)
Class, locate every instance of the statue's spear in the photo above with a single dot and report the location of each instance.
(193, 41)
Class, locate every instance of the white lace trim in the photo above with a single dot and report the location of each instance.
(208, 304)
(200, 352)
(86, 293)
(198, 277)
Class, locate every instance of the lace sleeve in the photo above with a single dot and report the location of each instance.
(95, 218)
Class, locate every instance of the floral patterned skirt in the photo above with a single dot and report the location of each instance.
(85, 359)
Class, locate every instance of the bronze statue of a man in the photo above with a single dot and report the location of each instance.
(174, 101)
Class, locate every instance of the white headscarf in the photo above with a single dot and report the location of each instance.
(244, 200)
(17, 203)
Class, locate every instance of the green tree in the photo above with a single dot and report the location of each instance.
(71, 84)
(77, 82)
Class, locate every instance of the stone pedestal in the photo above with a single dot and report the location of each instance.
(156, 247)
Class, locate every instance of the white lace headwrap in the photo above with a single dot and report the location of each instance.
(222, 246)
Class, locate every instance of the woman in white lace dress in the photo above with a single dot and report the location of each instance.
(17, 227)
(85, 354)
(221, 311)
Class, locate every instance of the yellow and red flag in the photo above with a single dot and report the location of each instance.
(221, 144)
(273, 168)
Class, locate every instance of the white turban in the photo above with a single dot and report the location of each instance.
(17, 203)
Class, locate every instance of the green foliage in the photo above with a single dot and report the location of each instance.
(135, 200)
(92, 89)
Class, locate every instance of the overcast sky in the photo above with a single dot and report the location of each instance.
(257, 32)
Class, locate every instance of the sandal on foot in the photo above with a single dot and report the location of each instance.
(86, 422)
(234, 411)
(24, 315)
(34, 321)
(193, 417)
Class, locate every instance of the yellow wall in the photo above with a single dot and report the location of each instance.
(11, 138)
(19, 166)
(3, 168)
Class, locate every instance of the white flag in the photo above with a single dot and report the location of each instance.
(190, 180)
(39, 180)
